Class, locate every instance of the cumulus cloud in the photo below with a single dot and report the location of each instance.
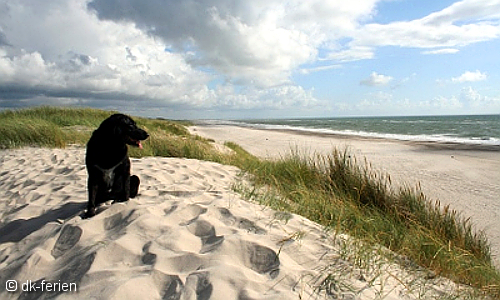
(470, 77)
(253, 41)
(94, 62)
(165, 52)
(376, 79)
(476, 100)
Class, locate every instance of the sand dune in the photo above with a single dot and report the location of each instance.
(186, 236)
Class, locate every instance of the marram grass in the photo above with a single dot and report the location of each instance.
(337, 192)
(334, 190)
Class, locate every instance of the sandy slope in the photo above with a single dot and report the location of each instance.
(186, 236)
(467, 180)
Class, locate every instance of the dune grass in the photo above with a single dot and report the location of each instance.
(333, 190)
(344, 195)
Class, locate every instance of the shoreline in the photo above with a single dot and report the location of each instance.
(436, 145)
(428, 141)
(465, 178)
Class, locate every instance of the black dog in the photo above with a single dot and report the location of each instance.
(107, 161)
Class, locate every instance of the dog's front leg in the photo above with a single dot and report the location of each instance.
(126, 187)
(123, 186)
(122, 183)
(91, 207)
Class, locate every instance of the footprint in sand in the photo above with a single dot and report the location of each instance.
(206, 232)
(192, 212)
(229, 219)
(148, 258)
(261, 259)
(28, 183)
(172, 288)
(213, 174)
(68, 238)
(198, 286)
(77, 268)
(172, 208)
(64, 171)
(116, 224)
(73, 273)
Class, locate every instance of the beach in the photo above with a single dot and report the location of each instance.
(467, 178)
(187, 235)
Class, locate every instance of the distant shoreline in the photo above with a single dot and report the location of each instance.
(434, 145)
(469, 132)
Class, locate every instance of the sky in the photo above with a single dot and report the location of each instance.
(233, 59)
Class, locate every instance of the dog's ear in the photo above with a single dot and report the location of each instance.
(117, 131)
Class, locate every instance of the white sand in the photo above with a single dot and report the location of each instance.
(185, 236)
(467, 180)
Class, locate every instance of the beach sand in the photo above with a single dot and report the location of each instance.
(187, 235)
(465, 178)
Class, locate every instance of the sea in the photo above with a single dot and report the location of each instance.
(468, 129)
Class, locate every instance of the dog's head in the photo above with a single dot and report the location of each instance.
(125, 129)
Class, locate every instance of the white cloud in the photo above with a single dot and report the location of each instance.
(282, 97)
(167, 52)
(477, 101)
(465, 10)
(116, 62)
(376, 100)
(376, 80)
(441, 102)
(417, 34)
(258, 42)
(468, 101)
(470, 95)
(442, 51)
(319, 69)
(463, 23)
(382, 103)
(470, 77)
(352, 53)
(89, 58)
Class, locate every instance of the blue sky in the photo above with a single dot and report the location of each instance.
(206, 59)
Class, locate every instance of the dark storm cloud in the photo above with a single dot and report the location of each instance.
(22, 92)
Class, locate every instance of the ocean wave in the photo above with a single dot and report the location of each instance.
(441, 138)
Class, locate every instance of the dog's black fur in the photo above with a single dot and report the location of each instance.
(107, 161)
